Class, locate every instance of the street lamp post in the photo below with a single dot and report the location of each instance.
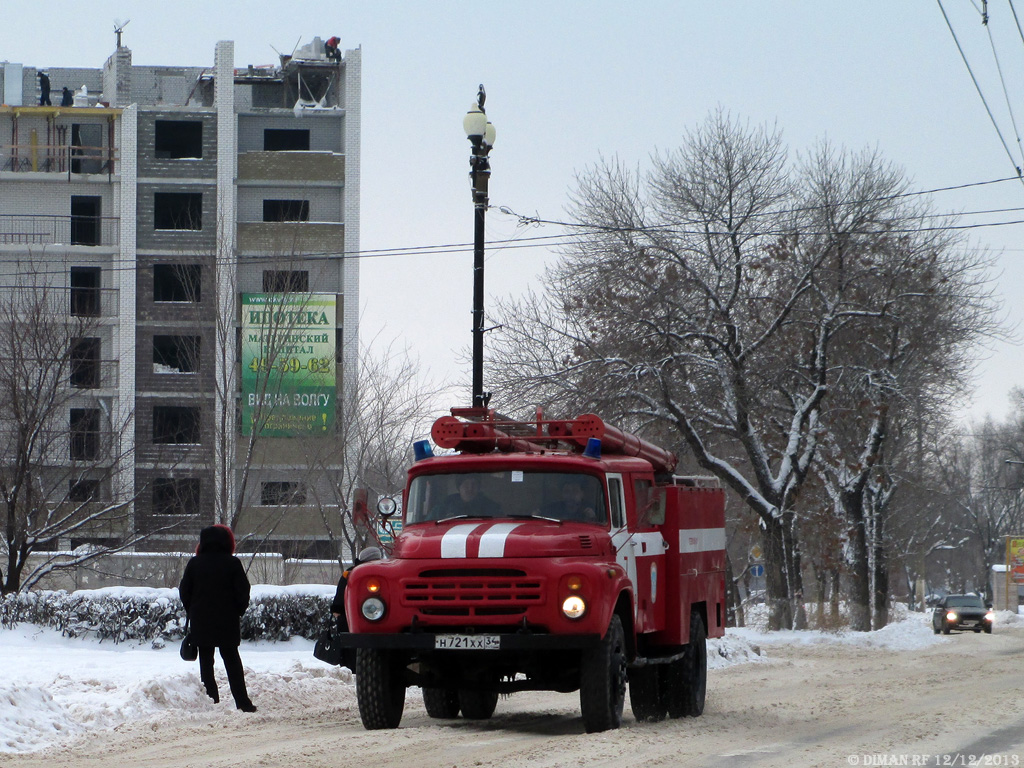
(481, 134)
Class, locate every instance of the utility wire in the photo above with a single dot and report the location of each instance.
(978, 89)
(551, 241)
(1006, 93)
(1017, 20)
(554, 241)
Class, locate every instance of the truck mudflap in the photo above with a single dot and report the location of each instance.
(431, 641)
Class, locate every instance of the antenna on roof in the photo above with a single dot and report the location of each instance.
(118, 28)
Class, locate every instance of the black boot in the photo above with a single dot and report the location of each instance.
(247, 706)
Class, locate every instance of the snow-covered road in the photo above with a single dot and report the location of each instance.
(810, 698)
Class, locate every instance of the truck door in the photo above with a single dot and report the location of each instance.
(621, 537)
(649, 549)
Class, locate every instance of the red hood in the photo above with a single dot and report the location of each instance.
(492, 539)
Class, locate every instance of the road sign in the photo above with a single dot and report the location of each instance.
(757, 570)
(756, 554)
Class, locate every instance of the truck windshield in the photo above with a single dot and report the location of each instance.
(512, 493)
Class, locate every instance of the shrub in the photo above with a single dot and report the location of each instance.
(143, 614)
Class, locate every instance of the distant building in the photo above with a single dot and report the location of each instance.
(162, 203)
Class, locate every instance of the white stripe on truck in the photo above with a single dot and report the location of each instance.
(453, 543)
(701, 540)
(492, 543)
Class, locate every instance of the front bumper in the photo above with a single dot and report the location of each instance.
(427, 641)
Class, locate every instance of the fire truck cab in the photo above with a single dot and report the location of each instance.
(548, 555)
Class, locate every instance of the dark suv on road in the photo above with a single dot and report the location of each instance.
(962, 612)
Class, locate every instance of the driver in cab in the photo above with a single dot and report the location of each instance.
(468, 501)
(572, 506)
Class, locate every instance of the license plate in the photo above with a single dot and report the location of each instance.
(467, 642)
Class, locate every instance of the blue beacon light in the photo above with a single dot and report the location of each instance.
(421, 450)
(593, 449)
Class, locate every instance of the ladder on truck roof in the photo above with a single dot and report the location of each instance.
(480, 430)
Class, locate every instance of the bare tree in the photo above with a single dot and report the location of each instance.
(59, 452)
(984, 492)
(708, 299)
(394, 406)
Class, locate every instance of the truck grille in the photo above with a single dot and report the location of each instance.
(472, 592)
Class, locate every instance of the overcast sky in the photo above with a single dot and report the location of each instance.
(568, 82)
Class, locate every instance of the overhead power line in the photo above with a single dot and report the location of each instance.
(977, 87)
(578, 230)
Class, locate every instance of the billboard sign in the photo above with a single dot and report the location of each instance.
(289, 384)
(1015, 559)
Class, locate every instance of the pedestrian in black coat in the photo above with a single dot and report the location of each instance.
(215, 592)
(348, 655)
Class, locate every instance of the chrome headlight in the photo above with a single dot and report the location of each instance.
(951, 616)
(372, 609)
(574, 606)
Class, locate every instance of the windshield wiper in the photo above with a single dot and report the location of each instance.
(459, 517)
(535, 517)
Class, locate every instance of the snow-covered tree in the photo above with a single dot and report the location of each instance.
(708, 298)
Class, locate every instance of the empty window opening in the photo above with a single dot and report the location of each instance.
(85, 291)
(176, 496)
(177, 282)
(85, 363)
(176, 425)
(286, 210)
(85, 434)
(178, 139)
(178, 210)
(281, 493)
(86, 148)
(85, 220)
(285, 281)
(84, 490)
(176, 354)
(286, 139)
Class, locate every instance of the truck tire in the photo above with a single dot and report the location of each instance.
(684, 682)
(603, 680)
(440, 703)
(380, 688)
(645, 697)
(477, 705)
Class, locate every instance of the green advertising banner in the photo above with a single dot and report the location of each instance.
(289, 385)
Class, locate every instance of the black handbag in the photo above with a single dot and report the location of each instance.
(189, 651)
(326, 649)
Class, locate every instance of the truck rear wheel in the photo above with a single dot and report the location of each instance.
(380, 688)
(603, 680)
(645, 694)
(477, 705)
(441, 704)
(685, 681)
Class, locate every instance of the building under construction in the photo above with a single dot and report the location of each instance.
(167, 214)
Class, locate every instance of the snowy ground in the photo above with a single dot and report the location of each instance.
(54, 689)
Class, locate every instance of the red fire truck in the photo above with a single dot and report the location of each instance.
(554, 555)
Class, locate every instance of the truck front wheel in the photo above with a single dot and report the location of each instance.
(603, 680)
(380, 688)
(685, 681)
(440, 703)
